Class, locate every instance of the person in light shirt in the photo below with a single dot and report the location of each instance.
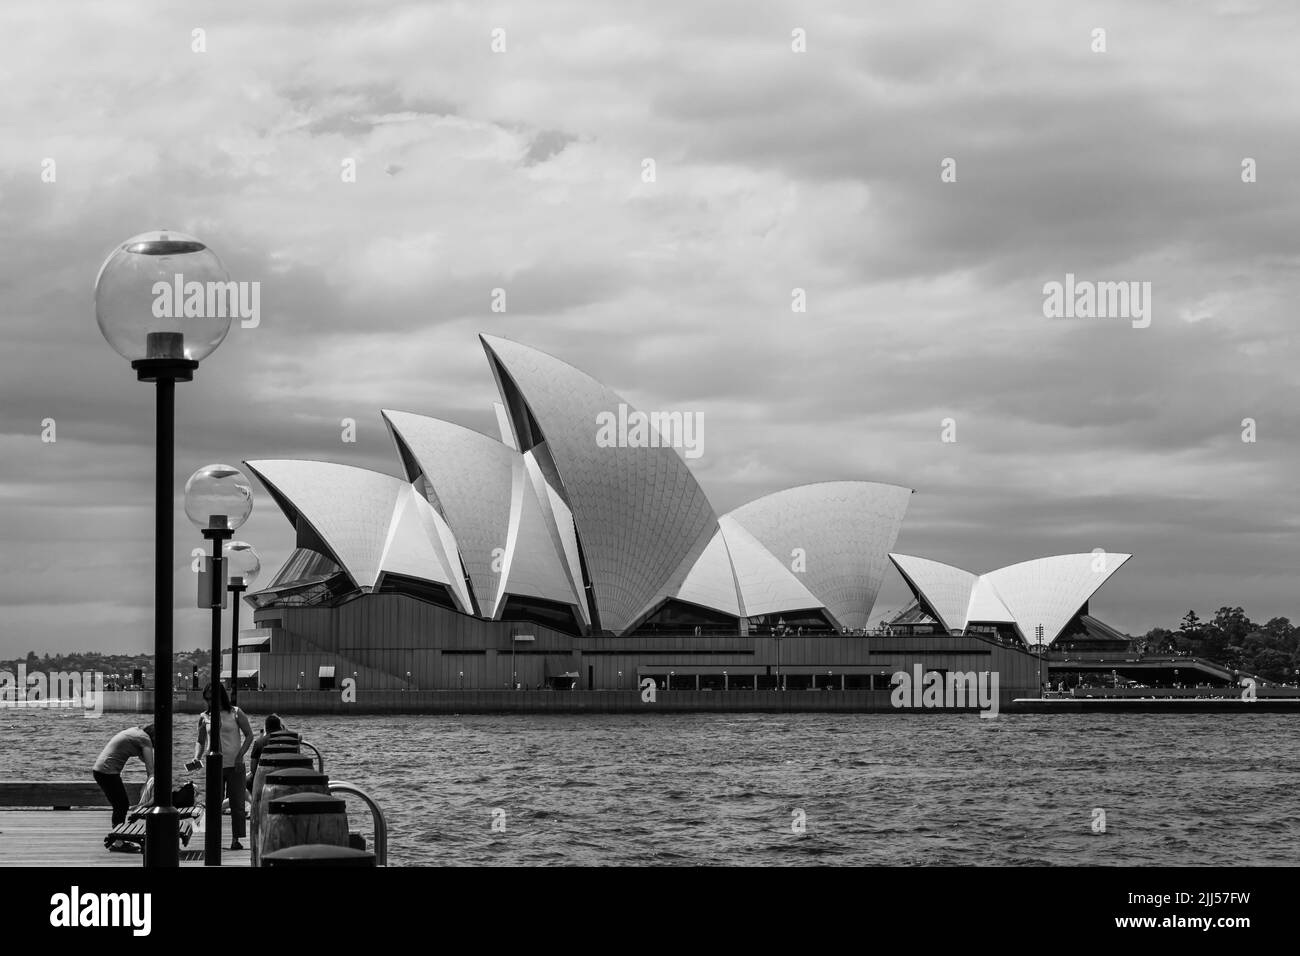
(236, 738)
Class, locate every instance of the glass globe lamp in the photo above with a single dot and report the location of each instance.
(218, 498)
(243, 562)
(155, 298)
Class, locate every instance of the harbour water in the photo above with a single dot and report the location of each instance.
(707, 789)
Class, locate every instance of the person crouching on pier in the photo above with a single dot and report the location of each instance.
(107, 771)
(236, 738)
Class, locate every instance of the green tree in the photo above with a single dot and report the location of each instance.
(1233, 624)
(1158, 640)
(1271, 665)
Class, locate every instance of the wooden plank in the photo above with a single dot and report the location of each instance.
(76, 838)
(59, 794)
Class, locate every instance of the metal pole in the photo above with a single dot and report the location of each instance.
(162, 823)
(212, 813)
(1042, 652)
(236, 590)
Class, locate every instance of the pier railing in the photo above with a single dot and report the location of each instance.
(376, 816)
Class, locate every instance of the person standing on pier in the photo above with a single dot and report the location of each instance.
(107, 771)
(236, 738)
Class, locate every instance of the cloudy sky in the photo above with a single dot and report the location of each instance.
(774, 170)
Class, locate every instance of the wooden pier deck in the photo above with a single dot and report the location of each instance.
(76, 838)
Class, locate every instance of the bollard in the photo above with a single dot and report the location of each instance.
(316, 854)
(280, 783)
(281, 747)
(268, 764)
(303, 818)
(290, 737)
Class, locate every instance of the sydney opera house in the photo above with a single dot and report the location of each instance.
(547, 558)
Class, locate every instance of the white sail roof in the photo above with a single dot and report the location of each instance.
(711, 582)
(641, 517)
(947, 590)
(534, 566)
(559, 522)
(421, 545)
(471, 478)
(371, 522)
(986, 606)
(483, 488)
(841, 531)
(766, 585)
(1045, 591)
(349, 508)
(1050, 591)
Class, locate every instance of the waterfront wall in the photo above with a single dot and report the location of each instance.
(290, 703)
(391, 642)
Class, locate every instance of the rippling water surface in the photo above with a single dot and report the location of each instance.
(722, 788)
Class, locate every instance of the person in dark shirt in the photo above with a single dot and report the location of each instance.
(273, 723)
(133, 742)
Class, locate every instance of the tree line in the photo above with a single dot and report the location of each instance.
(1270, 650)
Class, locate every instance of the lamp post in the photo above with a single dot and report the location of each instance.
(1042, 688)
(218, 499)
(777, 637)
(244, 567)
(162, 349)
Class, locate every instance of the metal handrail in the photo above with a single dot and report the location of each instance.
(320, 761)
(376, 815)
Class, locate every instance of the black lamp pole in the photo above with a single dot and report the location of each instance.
(1042, 652)
(236, 588)
(212, 813)
(161, 823)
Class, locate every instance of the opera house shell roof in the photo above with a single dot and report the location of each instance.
(548, 520)
(1046, 592)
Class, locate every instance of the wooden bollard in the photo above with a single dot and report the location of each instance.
(268, 764)
(315, 855)
(280, 783)
(281, 747)
(303, 818)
